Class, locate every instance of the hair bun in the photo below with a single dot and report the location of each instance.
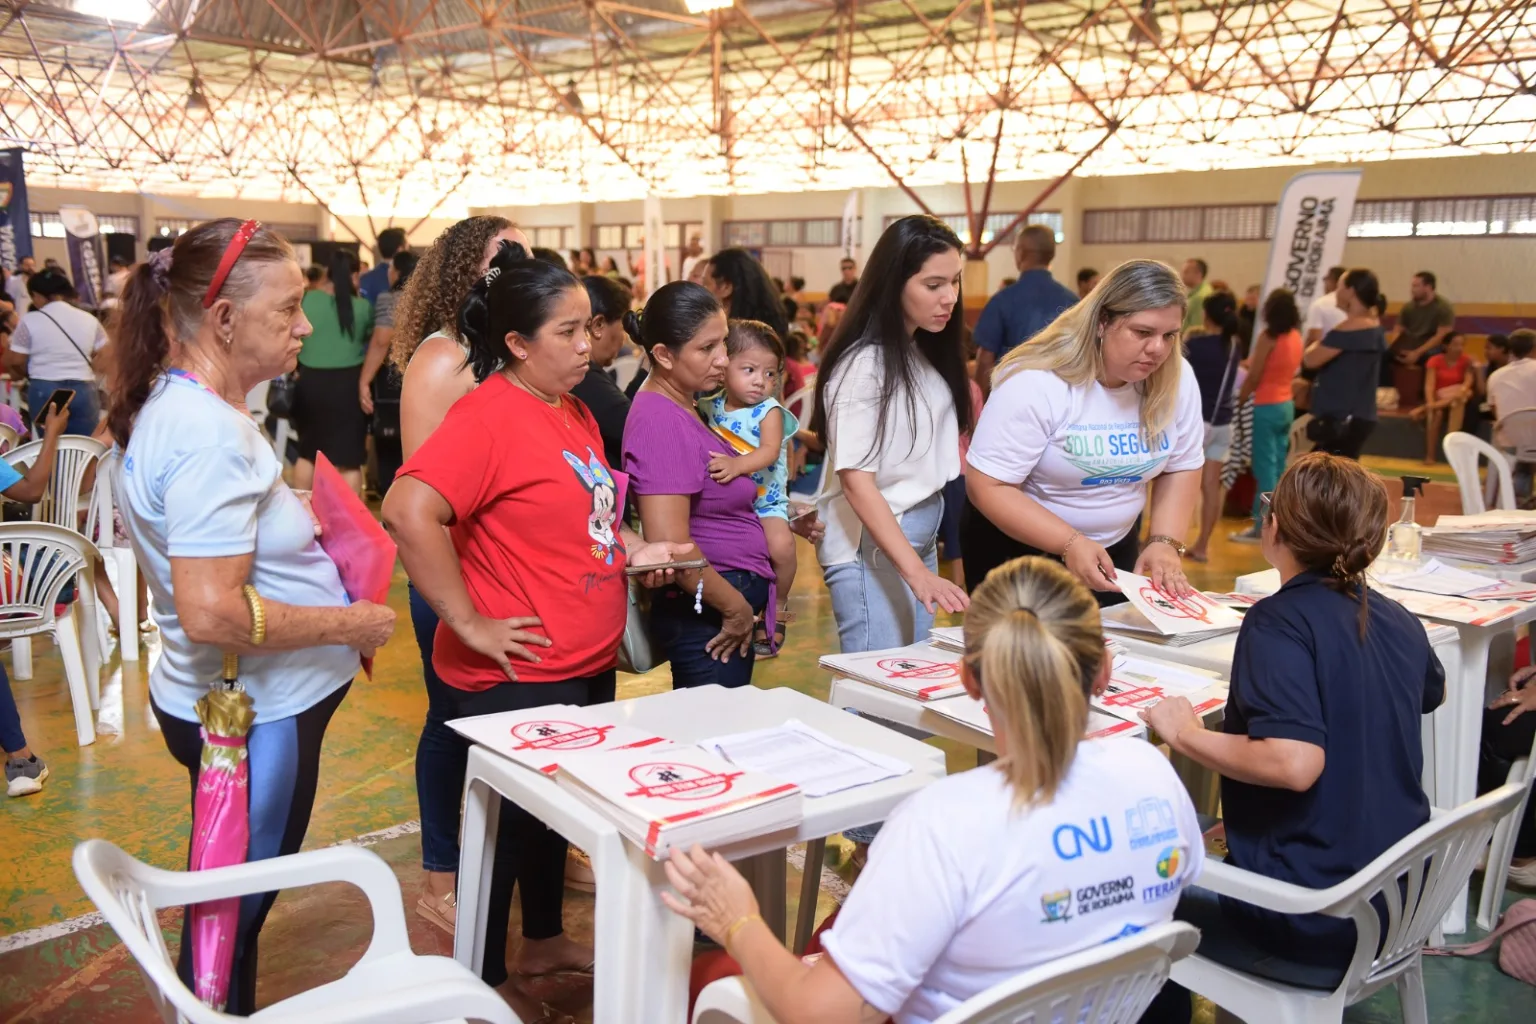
(632, 326)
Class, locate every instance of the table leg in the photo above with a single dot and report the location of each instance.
(810, 890)
(768, 877)
(477, 857)
(647, 955)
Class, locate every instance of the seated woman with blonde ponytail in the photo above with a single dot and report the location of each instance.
(1059, 845)
(1320, 752)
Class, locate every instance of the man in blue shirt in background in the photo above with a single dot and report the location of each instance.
(376, 281)
(1018, 312)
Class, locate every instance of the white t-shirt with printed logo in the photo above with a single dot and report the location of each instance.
(964, 890)
(1079, 451)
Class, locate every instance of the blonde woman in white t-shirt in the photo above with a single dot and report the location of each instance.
(1082, 417)
(1060, 845)
(890, 396)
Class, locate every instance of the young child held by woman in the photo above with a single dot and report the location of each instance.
(746, 414)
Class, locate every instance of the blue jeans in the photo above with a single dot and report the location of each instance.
(873, 606)
(12, 738)
(1271, 444)
(441, 754)
(84, 409)
(681, 633)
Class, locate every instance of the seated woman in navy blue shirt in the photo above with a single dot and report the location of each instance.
(1320, 753)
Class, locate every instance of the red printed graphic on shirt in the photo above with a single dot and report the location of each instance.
(674, 780)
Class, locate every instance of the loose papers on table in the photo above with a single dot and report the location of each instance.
(812, 760)
(1435, 577)
(540, 737)
(1138, 684)
(923, 671)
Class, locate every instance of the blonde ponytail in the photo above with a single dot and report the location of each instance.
(1033, 636)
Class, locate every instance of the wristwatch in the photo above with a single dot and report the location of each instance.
(1163, 538)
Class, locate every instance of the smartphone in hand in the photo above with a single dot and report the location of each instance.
(59, 400)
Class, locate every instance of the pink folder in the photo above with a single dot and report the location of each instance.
(353, 538)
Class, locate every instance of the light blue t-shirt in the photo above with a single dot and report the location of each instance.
(200, 480)
(9, 476)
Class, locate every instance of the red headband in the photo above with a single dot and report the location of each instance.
(232, 253)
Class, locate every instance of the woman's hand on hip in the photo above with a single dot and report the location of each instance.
(735, 634)
(1159, 562)
(501, 640)
(934, 591)
(372, 626)
(1086, 559)
(713, 894)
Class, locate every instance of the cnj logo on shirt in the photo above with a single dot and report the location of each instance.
(1072, 841)
(1114, 453)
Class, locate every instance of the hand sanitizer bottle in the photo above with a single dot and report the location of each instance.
(1404, 536)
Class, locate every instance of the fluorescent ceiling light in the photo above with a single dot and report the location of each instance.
(701, 6)
(131, 12)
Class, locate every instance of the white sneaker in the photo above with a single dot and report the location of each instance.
(24, 777)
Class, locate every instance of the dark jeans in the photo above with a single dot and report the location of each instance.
(987, 547)
(528, 853)
(682, 633)
(1351, 439)
(440, 754)
(1503, 744)
(84, 408)
(284, 765)
(12, 738)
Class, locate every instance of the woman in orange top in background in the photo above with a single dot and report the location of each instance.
(1272, 364)
(1448, 384)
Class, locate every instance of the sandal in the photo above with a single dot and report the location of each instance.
(442, 911)
(762, 645)
(578, 871)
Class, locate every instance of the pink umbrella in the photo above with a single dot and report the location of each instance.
(221, 828)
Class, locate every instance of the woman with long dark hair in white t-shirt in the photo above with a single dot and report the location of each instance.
(996, 870)
(890, 397)
(1081, 417)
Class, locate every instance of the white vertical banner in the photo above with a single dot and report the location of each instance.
(851, 224)
(655, 244)
(1311, 224)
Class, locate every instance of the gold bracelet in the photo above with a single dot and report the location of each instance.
(258, 615)
(1070, 541)
(736, 926)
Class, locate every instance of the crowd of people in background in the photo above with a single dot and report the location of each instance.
(1071, 434)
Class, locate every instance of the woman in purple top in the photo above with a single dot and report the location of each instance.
(667, 449)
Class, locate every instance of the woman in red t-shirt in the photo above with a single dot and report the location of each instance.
(1448, 383)
(506, 521)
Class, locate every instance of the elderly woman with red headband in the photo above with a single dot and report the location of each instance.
(229, 551)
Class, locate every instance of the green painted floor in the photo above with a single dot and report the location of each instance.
(126, 788)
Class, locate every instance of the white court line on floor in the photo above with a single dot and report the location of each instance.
(59, 929)
(831, 884)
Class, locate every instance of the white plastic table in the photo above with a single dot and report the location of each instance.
(1477, 668)
(643, 950)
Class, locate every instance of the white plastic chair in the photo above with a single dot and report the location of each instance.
(389, 985)
(1111, 983)
(39, 559)
(1522, 773)
(1416, 880)
(8, 437)
(1462, 451)
(99, 529)
(73, 458)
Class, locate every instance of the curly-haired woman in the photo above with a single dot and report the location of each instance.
(434, 362)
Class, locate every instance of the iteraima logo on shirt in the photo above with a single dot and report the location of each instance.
(916, 668)
(554, 735)
(675, 780)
